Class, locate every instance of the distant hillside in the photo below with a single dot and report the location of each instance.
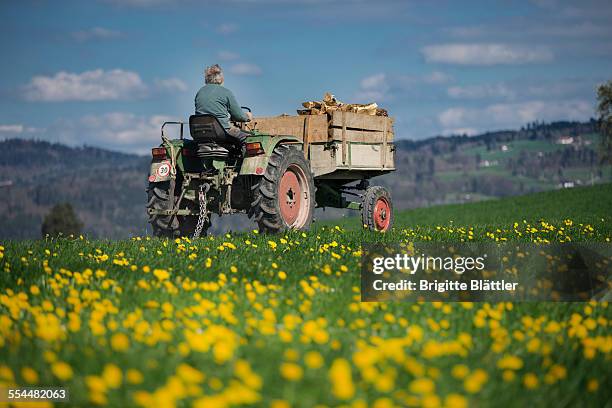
(586, 205)
(459, 169)
(108, 188)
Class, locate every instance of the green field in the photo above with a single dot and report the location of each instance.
(250, 319)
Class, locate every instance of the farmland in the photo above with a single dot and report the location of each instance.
(251, 319)
(107, 189)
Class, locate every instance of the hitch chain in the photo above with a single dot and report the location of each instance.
(203, 216)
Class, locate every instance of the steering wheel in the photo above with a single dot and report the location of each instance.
(241, 125)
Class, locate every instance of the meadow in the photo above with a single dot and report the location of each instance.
(276, 320)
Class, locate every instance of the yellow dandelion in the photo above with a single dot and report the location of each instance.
(62, 370)
(422, 386)
(341, 379)
(530, 381)
(29, 375)
(134, 376)
(455, 401)
(291, 371)
(112, 375)
(120, 342)
(313, 359)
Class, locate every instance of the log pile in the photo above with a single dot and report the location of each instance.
(330, 104)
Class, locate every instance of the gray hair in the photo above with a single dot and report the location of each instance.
(213, 74)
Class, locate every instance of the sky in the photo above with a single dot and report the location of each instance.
(107, 73)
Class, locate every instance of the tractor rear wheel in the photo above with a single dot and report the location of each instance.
(284, 196)
(377, 209)
(167, 225)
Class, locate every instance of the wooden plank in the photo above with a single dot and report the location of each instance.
(322, 159)
(306, 138)
(292, 125)
(360, 121)
(320, 131)
(343, 116)
(384, 149)
(368, 156)
(360, 136)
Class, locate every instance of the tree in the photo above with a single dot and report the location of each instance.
(604, 109)
(61, 220)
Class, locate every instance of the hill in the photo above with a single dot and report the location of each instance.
(581, 205)
(107, 188)
(536, 158)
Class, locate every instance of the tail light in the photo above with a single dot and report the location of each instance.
(254, 149)
(159, 152)
(188, 152)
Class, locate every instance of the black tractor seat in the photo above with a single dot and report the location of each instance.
(213, 140)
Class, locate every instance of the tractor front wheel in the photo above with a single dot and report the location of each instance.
(284, 196)
(377, 209)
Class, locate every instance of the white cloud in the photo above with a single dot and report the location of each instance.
(116, 130)
(513, 115)
(436, 77)
(383, 87)
(19, 129)
(526, 89)
(170, 85)
(485, 54)
(11, 128)
(498, 90)
(96, 85)
(96, 33)
(453, 117)
(227, 55)
(227, 28)
(375, 81)
(245, 69)
(373, 88)
(522, 30)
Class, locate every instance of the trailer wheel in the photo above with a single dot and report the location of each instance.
(377, 209)
(284, 196)
(165, 225)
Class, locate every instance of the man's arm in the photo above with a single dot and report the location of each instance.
(236, 113)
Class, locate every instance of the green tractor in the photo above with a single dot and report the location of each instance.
(272, 181)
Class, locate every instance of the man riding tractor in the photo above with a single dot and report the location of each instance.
(215, 99)
(272, 176)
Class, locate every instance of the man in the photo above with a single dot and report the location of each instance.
(214, 99)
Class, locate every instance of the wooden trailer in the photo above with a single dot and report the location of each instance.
(339, 145)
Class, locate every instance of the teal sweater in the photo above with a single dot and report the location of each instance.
(219, 101)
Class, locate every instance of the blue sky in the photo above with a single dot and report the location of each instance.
(108, 72)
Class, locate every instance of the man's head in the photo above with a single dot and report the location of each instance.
(213, 75)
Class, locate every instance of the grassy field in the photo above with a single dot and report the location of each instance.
(250, 319)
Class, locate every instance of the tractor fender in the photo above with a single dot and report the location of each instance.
(256, 165)
(162, 170)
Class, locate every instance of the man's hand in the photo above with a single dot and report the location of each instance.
(249, 115)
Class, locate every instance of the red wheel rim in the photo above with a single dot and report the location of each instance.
(289, 197)
(382, 214)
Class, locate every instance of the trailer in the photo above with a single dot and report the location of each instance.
(341, 145)
(291, 165)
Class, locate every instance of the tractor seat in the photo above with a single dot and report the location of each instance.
(206, 129)
(213, 140)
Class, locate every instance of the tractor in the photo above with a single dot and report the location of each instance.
(276, 181)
